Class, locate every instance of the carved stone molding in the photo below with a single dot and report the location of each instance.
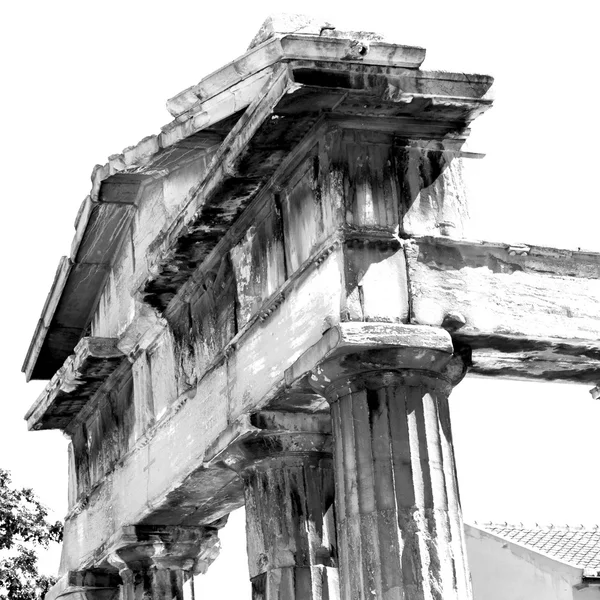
(74, 385)
(156, 561)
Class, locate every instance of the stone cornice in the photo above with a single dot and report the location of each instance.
(280, 41)
(75, 383)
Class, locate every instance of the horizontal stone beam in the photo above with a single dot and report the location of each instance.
(519, 357)
(523, 311)
(75, 383)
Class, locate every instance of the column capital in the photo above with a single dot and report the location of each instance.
(280, 437)
(365, 355)
(189, 549)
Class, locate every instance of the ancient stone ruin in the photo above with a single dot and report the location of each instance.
(268, 304)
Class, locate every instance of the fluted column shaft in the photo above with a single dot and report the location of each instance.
(288, 485)
(290, 529)
(400, 527)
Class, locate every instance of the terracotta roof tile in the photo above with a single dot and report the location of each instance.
(576, 545)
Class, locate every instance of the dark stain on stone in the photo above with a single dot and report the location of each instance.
(316, 77)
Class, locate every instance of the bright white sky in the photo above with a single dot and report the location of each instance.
(83, 80)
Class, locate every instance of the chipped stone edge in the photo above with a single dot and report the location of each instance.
(70, 376)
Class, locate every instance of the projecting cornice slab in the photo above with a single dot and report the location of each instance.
(75, 383)
(329, 45)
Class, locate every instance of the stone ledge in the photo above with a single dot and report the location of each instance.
(289, 37)
(75, 383)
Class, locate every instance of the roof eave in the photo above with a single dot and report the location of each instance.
(289, 46)
(117, 185)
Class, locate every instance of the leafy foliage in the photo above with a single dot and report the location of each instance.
(23, 526)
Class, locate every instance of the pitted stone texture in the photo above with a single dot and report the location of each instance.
(288, 489)
(155, 562)
(288, 23)
(400, 528)
(291, 531)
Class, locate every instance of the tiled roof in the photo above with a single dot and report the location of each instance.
(576, 545)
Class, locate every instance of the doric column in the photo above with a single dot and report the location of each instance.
(288, 486)
(400, 528)
(154, 562)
